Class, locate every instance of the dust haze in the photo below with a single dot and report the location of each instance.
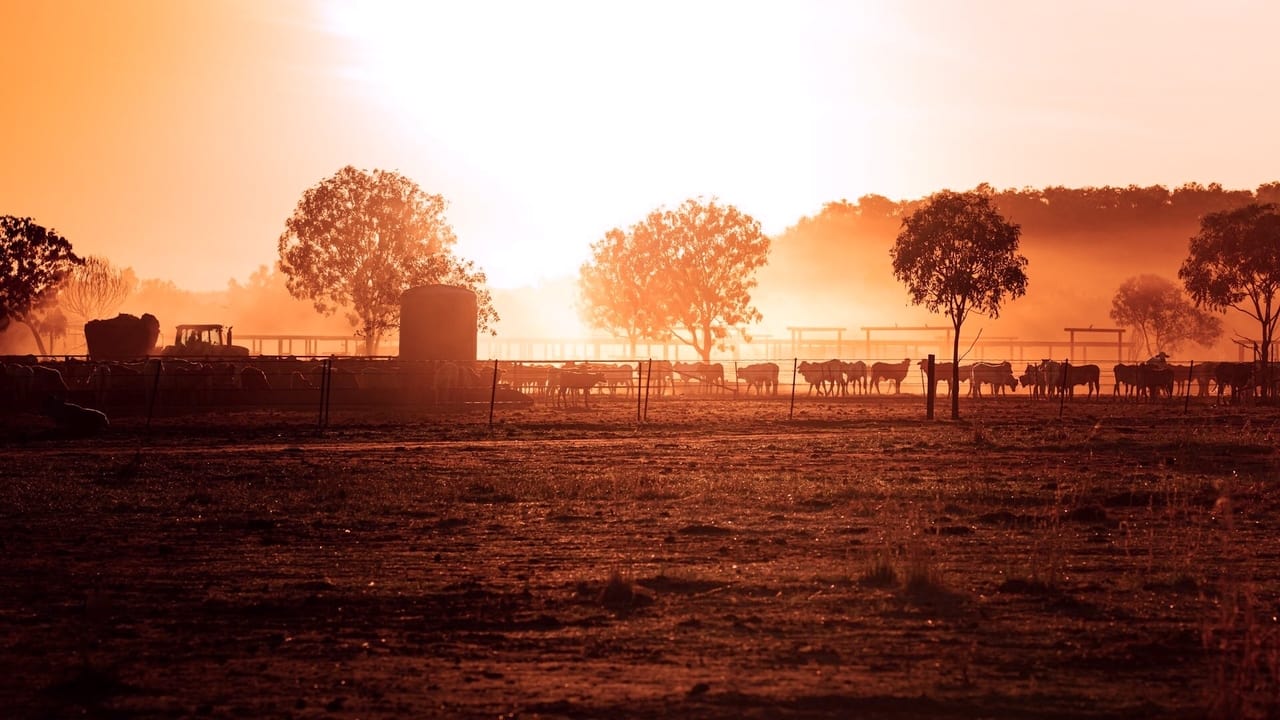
(832, 270)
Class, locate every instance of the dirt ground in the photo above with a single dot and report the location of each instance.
(717, 561)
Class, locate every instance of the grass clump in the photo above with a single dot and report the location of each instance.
(880, 572)
(618, 592)
(924, 578)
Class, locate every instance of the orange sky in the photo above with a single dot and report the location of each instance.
(175, 136)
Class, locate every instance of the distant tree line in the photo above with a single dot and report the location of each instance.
(359, 238)
(1060, 210)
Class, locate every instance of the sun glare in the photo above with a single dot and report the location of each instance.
(581, 117)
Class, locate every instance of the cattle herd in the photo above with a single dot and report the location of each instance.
(73, 392)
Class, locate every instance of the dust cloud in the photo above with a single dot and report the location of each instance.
(831, 270)
(834, 270)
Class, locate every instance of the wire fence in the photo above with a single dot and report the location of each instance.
(160, 386)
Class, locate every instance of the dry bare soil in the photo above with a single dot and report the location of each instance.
(720, 560)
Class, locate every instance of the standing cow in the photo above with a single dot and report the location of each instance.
(942, 372)
(1064, 377)
(762, 376)
(997, 375)
(892, 372)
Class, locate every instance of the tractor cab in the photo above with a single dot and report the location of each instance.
(205, 339)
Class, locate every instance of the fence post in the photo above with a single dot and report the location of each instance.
(931, 390)
(639, 384)
(493, 392)
(795, 363)
(1062, 391)
(326, 383)
(648, 382)
(1186, 399)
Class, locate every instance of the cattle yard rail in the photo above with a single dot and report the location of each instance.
(179, 386)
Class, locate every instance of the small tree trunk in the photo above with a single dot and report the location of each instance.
(1265, 354)
(36, 335)
(955, 373)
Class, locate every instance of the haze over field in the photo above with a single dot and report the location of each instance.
(176, 137)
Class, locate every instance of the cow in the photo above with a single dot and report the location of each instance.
(390, 377)
(855, 374)
(253, 379)
(475, 375)
(1181, 378)
(615, 376)
(1056, 381)
(339, 377)
(48, 381)
(17, 383)
(26, 385)
(181, 383)
(761, 376)
(836, 378)
(892, 372)
(942, 372)
(565, 383)
(997, 375)
(75, 419)
(1154, 379)
(1235, 375)
(79, 374)
(1202, 374)
(528, 377)
(707, 374)
(814, 375)
(117, 383)
(1034, 378)
(443, 380)
(821, 376)
(662, 374)
(223, 375)
(1126, 380)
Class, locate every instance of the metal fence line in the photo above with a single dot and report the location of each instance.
(159, 387)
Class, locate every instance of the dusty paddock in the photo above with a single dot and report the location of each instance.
(719, 561)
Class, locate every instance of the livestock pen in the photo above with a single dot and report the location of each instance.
(167, 386)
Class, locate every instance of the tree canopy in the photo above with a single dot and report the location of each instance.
(35, 261)
(617, 289)
(687, 273)
(359, 239)
(96, 289)
(1162, 316)
(957, 254)
(1234, 262)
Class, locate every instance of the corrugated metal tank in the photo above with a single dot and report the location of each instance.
(438, 322)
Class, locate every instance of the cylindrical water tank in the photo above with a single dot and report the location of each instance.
(438, 322)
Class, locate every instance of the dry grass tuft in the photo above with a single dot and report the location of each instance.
(1242, 637)
(924, 578)
(881, 572)
(618, 592)
(1243, 640)
(982, 437)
